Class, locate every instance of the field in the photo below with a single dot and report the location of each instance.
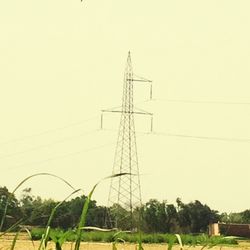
(82, 237)
(23, 243)
(27, 245)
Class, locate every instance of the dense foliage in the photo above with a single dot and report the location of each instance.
(155, 216)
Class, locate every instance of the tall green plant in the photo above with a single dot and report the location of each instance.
(45, 237)
(179, 241)
(85, 211)
(19, 185)
(59, 240)
(13, 244)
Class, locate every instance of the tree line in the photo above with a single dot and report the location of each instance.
(154, 216)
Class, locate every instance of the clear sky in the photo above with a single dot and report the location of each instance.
(63, 61)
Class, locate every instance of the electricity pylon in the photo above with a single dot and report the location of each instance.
(125, 191)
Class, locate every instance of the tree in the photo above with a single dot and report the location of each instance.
(232, 218)
(97, 216)
(245, 216)
(26, 203)
(13, 210)
(160, 217)
(41, 211)
(195, 217)
(120, 217)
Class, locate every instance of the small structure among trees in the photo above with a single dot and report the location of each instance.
(230, 229)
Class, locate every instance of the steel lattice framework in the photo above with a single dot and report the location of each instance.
(125, 191)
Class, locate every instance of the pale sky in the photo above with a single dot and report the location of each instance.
(63, 61)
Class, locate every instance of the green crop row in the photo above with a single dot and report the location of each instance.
(93, 236)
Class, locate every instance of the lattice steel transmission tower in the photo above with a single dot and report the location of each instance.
(125, 191)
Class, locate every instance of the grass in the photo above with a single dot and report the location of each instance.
(191, 240)
(79, 234)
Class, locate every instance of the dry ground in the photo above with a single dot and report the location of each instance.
(24, 243)
(27, 245)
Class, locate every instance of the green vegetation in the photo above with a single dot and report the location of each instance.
(242, 217)
(155, 222)
(153, 217)
(134, 237)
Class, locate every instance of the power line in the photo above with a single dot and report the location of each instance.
(56, 129)
(96, 117)
(49, 144)
(202, 102)
(139, 102)
(63, 156)
(60, 157)
(188, 136)
(214, 138)
(48, 131)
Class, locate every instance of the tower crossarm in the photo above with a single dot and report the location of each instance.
(128, 112)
